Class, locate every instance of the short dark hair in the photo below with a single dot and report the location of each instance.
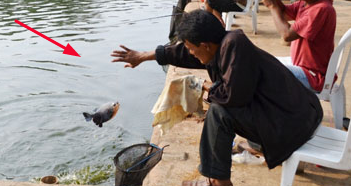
(200, 26)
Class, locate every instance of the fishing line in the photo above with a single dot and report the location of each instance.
(179, 10)
(151, 18)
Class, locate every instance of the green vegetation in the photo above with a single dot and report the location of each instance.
(89, 175)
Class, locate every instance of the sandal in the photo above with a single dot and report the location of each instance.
(206, 182)
(197, 183)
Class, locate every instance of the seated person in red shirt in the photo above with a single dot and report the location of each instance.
(311, 36)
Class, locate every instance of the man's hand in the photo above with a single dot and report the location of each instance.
(281, 20)
(268, 3)
(131, 57)
(207, 85)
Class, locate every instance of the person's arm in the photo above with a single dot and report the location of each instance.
(282, 8)
(176, 55)
(238, 67)
(281, 20)
(131, 57)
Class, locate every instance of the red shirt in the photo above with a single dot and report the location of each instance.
(316, 25)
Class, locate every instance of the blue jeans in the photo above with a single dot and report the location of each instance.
(300, 75)
(296, 70)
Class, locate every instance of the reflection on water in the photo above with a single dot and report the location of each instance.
(43, 92)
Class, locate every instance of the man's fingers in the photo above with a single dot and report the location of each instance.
(128, 65)
(118, 53)
(118, 60)
(115, 55)
(125, 48)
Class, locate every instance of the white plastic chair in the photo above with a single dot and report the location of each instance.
(335, 94)
(330, 147)
(250, 9)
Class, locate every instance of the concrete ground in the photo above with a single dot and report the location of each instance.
(181, 157)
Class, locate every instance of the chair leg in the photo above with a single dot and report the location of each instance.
(337, 101)
(224, 17)
(254, 22)
(288, 172)
(229, 21)
(300, 168)
(256, 4)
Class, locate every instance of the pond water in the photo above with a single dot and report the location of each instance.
(43, 92)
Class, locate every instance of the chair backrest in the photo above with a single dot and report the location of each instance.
(334, 65)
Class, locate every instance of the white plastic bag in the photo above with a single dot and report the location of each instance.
(247, 158)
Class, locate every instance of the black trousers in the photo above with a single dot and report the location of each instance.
(220, 127)
(224, 5)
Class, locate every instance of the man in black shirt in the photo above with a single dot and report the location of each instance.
(252, 94)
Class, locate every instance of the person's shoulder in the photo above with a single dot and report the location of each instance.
(324, 4)
(234, 35)
(324, 7)
(235, 38)
(297, 4)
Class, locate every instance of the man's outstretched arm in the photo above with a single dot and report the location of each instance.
(131, 57)
(176, 55)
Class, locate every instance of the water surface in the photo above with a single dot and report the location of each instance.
(43, 92)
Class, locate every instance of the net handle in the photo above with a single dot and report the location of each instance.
(148, 157)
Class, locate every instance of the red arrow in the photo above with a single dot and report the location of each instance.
(66, 50)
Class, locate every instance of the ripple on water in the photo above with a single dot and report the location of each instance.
(56, 134)
(35, 68)
(85, 40)
(57, 63)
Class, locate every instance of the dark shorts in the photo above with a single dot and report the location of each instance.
(224, 5)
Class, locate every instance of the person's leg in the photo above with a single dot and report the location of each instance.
(216, 143)
(215, 12)
(301, 76)
(224, 5)
(217, 7)
(218, 133)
